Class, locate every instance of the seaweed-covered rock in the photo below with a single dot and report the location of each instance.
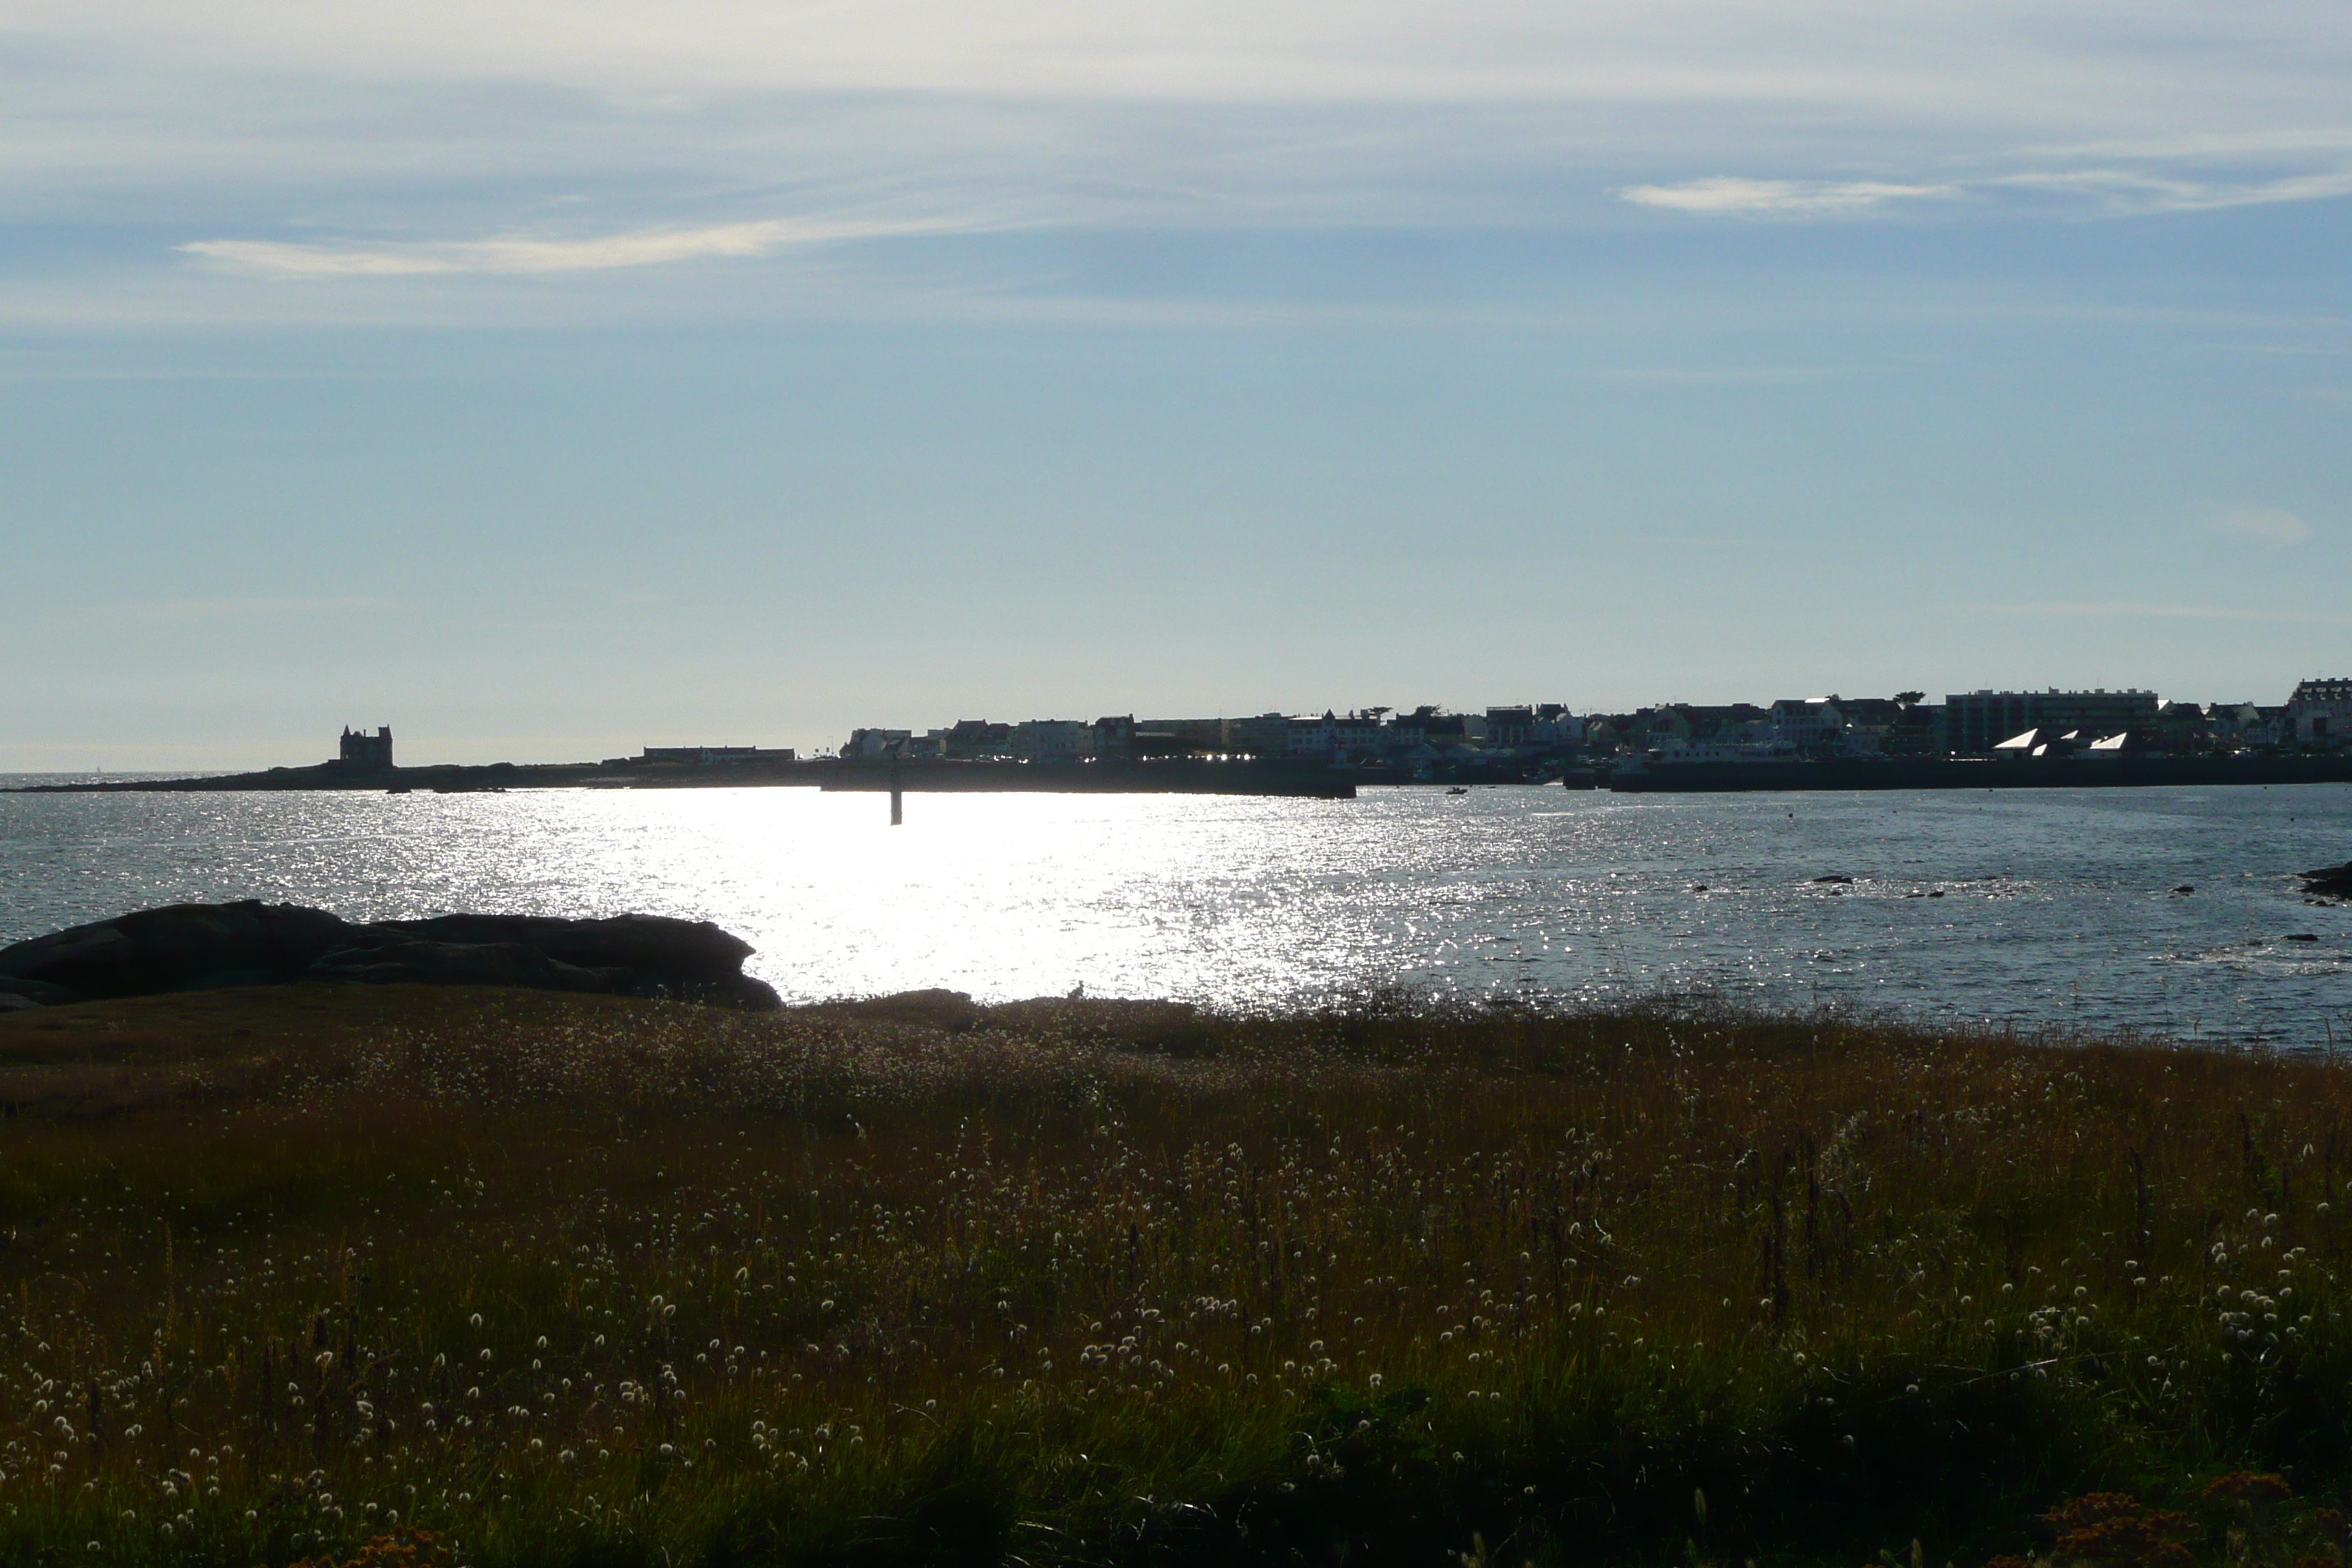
(2329, 881)
(653, 943)
(197, 946)
(175, 948)
(463, 963)
(31, 993)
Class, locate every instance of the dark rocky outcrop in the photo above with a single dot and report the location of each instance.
(200, 946)
(688, 948)
(31, 993)
(2329, 881)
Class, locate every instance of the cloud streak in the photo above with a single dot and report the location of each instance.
(2272, 525)
(520, 254)
(2125, 190)
(2115, 189)
(629, 154)
(1724, 195)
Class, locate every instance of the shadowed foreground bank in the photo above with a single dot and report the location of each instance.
(585, 1280)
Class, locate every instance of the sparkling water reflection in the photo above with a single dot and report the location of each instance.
(2055, 907)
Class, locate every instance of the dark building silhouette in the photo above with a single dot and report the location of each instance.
(713, 757)
(361, 750)
(1977, 721)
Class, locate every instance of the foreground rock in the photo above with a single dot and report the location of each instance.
(200, 946)
(2329, 881)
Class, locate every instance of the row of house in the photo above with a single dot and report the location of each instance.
(1792, 727)
(1363, 735)
(2318, 717)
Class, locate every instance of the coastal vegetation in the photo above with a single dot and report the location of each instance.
(337, 1273)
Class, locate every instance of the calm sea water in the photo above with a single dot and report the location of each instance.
(2057, 906)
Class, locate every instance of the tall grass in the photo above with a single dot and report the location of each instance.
(564, 1281)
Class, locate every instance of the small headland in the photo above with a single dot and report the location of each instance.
(453, 778)
(574, 1277)
(1179, 775)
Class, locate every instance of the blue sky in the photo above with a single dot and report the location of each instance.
(549, 380)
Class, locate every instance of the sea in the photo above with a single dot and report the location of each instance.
(2158, 912)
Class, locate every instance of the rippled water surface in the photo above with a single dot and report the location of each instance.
(2057, 906)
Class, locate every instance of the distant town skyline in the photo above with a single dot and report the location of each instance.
(372, 746)
(552, 380)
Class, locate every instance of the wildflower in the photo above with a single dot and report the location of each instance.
(2113, 1529)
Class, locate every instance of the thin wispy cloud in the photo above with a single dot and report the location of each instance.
(2110, 189)
(1811, 198)
(2270, 524)
(432, 138)
(514, 254)
(2128, 190)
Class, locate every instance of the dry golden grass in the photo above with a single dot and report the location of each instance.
(575, 1280)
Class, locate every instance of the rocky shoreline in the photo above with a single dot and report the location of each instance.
(189, 947)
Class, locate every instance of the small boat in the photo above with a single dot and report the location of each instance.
(1457, 789)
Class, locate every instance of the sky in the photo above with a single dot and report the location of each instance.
(550, 380)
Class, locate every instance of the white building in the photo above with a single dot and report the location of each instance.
(1335, 738)
(2319, 715)
(1542, 727)
(1812, 724)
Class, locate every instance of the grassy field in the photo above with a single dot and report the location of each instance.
(566, 1280)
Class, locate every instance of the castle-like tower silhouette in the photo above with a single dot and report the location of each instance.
(361, 750)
